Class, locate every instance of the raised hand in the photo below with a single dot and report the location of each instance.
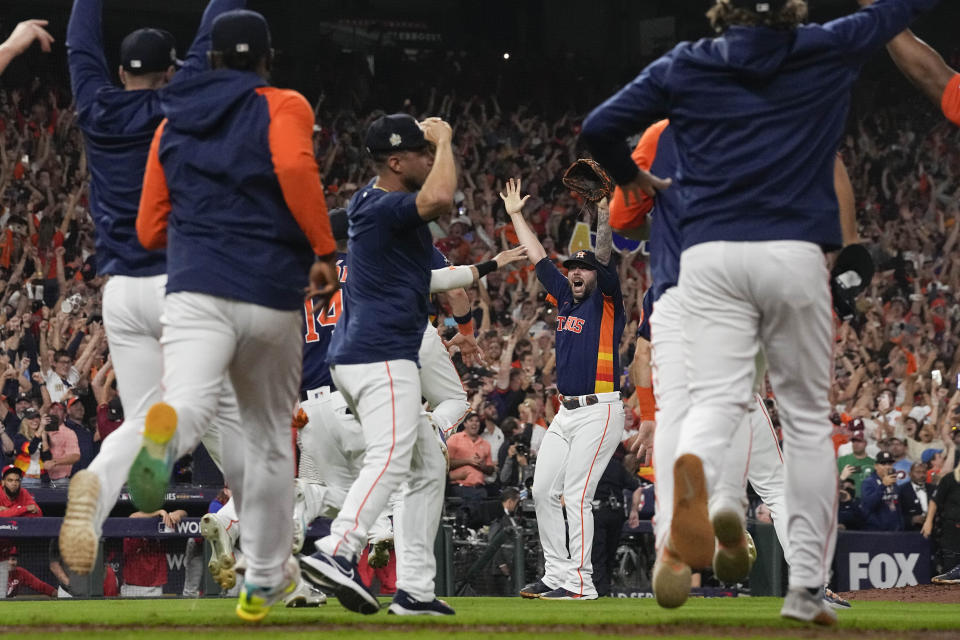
(25, 33)
(511, 196)
(510, 256)
(436, 130)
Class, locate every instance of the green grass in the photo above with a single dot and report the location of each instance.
(498, 618)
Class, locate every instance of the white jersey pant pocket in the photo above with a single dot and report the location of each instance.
(575, 451)
(333, 441)
(440, 384)
(207, 339)
(739, 297)
(385, 398)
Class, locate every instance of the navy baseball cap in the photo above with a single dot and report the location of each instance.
(395, 132)
(339, 224)
(884, 457)
(241, 31)
(582, 258)
(148, 50)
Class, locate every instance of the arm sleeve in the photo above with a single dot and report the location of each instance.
(88, 65)
(552, 280)
(943, 490)
(438, 260)
(449, 278)
(865, 31)
(154, 199)
(950, 102)
(606, 128)
(627, 216)
(196, 59)
(36, 583)
(872, 492)
(33, 501)
(607, 279)
(291, 147)
(15, 511)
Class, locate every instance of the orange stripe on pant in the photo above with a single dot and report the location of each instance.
(584, 495)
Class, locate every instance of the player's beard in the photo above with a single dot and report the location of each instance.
(13, 495)
(412, 184)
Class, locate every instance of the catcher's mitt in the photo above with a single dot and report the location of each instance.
(588, 178)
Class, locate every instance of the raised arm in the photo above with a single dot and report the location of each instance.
(604, 245)
(436, 195)
(196, 60)
(924, 68)
(514, 204)
(88, 64)
(22, 37)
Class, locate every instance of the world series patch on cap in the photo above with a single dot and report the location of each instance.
(395, 132)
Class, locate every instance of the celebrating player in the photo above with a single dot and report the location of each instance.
(757, 114)
(374, 356)
(242, 224)
(118, 125)
(585, 432)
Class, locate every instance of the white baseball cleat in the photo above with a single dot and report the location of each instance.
(305, 596)
(79, 538)
(804, 606)
(222, 558)
(299, 517)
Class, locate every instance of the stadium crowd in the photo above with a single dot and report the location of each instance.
(896, 391)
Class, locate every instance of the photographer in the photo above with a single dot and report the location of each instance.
(881, 502)
(516, 466)
(850, 515)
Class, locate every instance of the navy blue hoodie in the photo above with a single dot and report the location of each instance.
(118, 126)
(758, 115)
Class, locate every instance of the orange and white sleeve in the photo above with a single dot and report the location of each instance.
(625, 216)
(950, 101)
(154, 199)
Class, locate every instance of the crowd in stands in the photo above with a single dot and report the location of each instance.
(895, 390)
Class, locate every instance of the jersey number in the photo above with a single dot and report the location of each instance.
(327, 319)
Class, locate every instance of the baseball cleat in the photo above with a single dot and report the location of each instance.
(950, 577)
(804, 606)
(151, 469)
(671, 580)
(340, 576)
(299, 517)
(691, 533)
(406, 605)
(835, 601)
(731, 560)
(79, 538)
(534, 590)
(305, 596)
(254, 601)
(565, 594)
(223, 561)
(380, 555)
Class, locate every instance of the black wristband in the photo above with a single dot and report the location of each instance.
(486, 267)
(465, 318)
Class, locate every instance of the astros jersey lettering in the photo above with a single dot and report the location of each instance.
(389, 258)
(588, 332)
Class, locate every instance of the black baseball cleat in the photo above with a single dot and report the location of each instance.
(534, 590)
(340, 576)
(406, 605)
(564, 594)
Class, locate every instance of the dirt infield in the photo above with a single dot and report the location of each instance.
(933, 593)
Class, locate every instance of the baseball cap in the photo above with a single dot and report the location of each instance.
(24, 398)
(928, 454)
(858, 437)
(30, 414)
(394, 132)
(582, 258)
(12, 469)
(884, 457)
(147, 50)
(72, 401)
(241, 31)
(856, 425)
(339, 223)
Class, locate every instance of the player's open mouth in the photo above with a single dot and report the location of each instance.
(577, 282)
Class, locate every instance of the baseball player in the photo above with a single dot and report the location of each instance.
(926, 69)
(374, 356)
(242, 224)
(118, 124)
(587, 429)
(757, 115)
(754, 453)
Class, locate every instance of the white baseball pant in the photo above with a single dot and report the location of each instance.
(440, 383)
(741, 297)
(207, 339)
(753, 454)
(385, 398)
(575, 451)
(132, 308)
